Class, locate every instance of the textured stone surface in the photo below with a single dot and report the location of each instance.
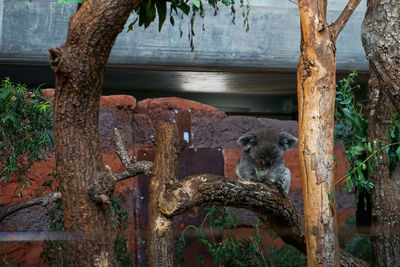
(165, 109)
(116, 112)
(225, 132)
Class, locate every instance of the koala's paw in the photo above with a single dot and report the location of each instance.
(280, 188)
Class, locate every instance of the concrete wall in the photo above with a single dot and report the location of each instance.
(27, 29)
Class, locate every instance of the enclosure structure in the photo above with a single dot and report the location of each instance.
(244, 72)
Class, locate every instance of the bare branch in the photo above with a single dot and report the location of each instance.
(341, 21)
(121, 149)
(131, 168)
(50, 198)
(273, 208)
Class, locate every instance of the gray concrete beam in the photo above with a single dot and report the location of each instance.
(27, 29)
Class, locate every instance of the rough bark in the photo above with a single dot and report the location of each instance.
(160, 241)
(316, 79)
(84, 181)
(50, 198)
(385, 200)
(131, 168)
(381, 41)
(273, 208)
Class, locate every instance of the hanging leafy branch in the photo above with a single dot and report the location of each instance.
(352, 129)
(25, 129)
(149, 9)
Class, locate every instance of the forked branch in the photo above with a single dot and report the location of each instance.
(131, 168)
(341, 21)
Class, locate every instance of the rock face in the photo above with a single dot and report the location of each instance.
(213, 149)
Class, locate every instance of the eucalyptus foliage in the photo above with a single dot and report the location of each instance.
(25, 129)
(352, 129)
(149, 10)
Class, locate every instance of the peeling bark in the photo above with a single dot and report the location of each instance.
(84, 181)
(316, 79)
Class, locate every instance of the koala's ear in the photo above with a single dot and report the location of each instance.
(248, 140)
(286, 140)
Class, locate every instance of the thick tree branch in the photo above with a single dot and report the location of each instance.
(131, 168)
(341, 21)
(273, 208)
(50, 198)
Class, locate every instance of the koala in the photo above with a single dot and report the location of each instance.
(262, 158)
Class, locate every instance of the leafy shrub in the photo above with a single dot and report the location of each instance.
(25, 127)
(352, 129)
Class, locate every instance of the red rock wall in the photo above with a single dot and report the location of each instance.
(212, 149)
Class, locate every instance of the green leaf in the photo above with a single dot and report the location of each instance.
(196, 3)
(9, 117)
(398, 152)
(184, 7)
(162, 13)
(358, 124)
(358, 149)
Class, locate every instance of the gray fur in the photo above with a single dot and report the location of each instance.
(262, 159)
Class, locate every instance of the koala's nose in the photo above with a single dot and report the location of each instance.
(268, 162)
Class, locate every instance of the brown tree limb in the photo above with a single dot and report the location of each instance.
(131, 168)
(273, 208)
(50, 198)
(341, 21)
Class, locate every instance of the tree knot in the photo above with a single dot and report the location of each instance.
(103, 187)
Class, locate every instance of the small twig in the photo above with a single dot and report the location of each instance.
(362, 163)
(50, 198)
(294, 2)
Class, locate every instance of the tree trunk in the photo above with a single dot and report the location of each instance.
(316, 89)
(385, 202)
(160, 248)
(84, 182)
(381, 41)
